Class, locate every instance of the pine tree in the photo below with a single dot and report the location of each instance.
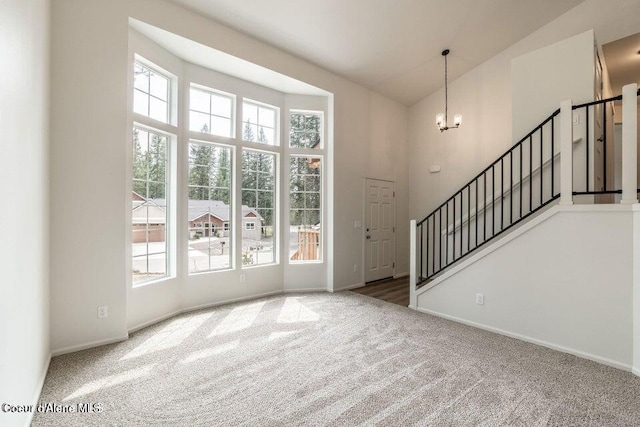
(247, 133)
(199, 166)
(222, 176)
(156, 155)
(139, 166)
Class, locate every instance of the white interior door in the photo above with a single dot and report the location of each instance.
(379, 229)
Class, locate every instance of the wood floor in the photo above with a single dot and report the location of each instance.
(395, 291)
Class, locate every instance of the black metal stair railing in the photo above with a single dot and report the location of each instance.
(594, 168)
(519, 183)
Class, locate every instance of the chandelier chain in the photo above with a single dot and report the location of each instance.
(446, 94)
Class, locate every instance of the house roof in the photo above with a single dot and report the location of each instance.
(199, 208)
(220, 210)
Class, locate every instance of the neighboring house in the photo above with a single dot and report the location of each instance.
(211, 218)
(206, 218)
(148, 220)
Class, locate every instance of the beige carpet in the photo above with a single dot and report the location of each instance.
(333, 359)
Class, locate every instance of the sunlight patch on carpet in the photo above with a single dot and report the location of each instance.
(294, 311)
(240, 318)
(111, 381)
(170, 336)
(208, 352)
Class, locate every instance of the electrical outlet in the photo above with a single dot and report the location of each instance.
(103, 312)
(480, 299)
(242, 278)
(355, 268)
(357, 224)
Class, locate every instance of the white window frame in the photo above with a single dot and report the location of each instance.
(321, 146)
(169, 208)
(276, 196)
(170, 130)
(307, 153)
(250, 225)
(171, 84)
(215, 92)
(276, 122)
(232, 204)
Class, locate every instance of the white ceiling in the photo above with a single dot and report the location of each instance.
(213, 59)
(391, 46)
(623, 62)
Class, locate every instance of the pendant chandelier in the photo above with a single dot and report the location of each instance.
(442, 119)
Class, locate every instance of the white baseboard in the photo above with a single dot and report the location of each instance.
(635, 371)
(399, 275)
(229, 301)
(218, 303)
(79, 347)
(303, 290)
(174, 313)
(346, 288)
(154, 321)
(198, 307)
(563, 349)
(38, 391)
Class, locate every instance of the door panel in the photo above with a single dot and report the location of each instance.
(379, 229)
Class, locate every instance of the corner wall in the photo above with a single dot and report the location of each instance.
(24, 216)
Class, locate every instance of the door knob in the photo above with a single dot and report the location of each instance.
(368, 237)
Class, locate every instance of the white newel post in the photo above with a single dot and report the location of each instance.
(566, 153)
(413, 267)
(629, 144)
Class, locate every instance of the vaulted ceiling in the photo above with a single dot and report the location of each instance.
(391, 46)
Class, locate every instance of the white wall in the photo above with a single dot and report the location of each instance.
(24, 216)
(565, 283)
(89, 71)
(88, 151)
(483, 97)
(541, 79)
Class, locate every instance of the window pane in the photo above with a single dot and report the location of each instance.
(150, 93)
(222, 106)
(305, 130)
(250, 113)
(149, 206)
(220, 126)
(258, 201)
(158, 109)
(209, 243)
(140, 102)
(200, 101)
(267, 117)
(199, 122)
(211, 113)
(266, 135)
(141, 78)
(159, 86)
(305, 209)
(250, 132)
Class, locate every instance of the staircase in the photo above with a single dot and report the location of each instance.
(566, 158)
